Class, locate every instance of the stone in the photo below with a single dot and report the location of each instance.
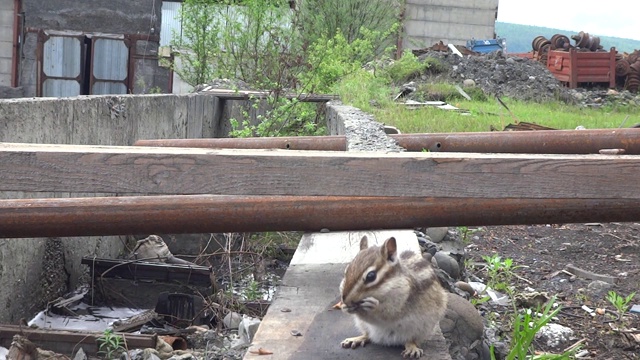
(554, 334)
(463, 328)
(436, 234)
(232, 320)
(468, 83)
(248, 328)
(80, 355)
(599, 288)
(448, 264)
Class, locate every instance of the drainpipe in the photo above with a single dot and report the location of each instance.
(16, 36)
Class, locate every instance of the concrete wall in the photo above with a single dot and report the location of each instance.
(106, 16)
(452, 21)
(6, 41)
(106, 120)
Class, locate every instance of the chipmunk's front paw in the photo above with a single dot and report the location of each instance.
(354, 342)
(411, 350)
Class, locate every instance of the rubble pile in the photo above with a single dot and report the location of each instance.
(497, 74)
(523, 78)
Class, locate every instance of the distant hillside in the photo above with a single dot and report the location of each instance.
(519, 37)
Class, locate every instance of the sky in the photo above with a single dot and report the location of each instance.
(619, 18)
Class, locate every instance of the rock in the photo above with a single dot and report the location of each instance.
(599, 288)
(436, 234)
(468, 83)
(80, 355)
(462, 326)
(232, 320)
(554, 334)
(448, 264)
(248, 328)
(184, 356)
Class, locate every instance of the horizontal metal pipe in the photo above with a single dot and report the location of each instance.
(323, 143)
(526, 142)
(531, 142)
(215, 213)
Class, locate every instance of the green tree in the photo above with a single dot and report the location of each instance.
(198, 43)
(330, 17)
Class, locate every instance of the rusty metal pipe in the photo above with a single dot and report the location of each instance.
(327, 143)
(531, 142)
(214, 213)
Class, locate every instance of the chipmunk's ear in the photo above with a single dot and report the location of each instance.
(389, 249)
(364, 243)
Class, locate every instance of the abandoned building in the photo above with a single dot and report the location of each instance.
(62, 48)
(69, 48)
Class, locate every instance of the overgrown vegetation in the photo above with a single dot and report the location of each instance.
(271, 47)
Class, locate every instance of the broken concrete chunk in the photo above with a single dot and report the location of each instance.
(248, 328)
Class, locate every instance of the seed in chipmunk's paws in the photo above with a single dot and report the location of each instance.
(296, 333)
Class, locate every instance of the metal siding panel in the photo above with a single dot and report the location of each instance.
(105, 88)
(170, 22)
(60, 88)
(61, 57)
(110, 60)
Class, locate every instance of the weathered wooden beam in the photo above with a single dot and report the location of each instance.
(219, 214)
(182, 171)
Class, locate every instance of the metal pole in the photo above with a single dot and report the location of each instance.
(531, 142)
(326, 143)
(216, 213)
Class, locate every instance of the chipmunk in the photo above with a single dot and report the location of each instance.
(396, 298)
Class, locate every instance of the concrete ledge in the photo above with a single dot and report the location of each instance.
(362, 131)
(308, 292)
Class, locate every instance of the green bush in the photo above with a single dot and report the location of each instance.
(406, 68)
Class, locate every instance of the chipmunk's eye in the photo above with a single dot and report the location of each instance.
(371, 276)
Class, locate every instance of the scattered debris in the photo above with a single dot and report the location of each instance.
(589, 275)
(261, 351)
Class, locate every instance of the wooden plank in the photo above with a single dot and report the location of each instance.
(148, 170)
(308, 291)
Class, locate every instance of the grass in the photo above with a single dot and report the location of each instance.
(374, 95)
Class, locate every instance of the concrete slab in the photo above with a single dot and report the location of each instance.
(305, 299)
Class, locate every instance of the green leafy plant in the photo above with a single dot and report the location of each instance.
(499, 272)
(466, 233)
(110, 345)
(525, 327)
(252, 292)
(620, 303)
(406, 68)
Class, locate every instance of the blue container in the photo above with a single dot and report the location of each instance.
(487, 46)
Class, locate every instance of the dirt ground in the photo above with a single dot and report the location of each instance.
(541, 252)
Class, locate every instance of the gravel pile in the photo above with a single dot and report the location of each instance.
(513, 77)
